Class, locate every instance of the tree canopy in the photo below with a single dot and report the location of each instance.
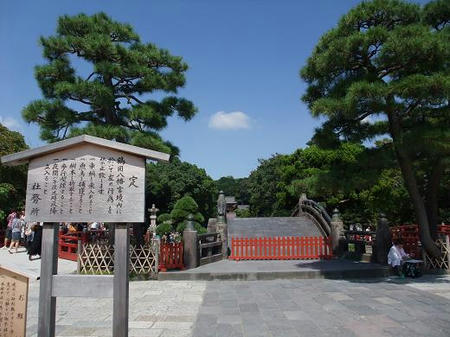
(236, 187)
(169, 182)
(360, 181)
(97, 81)
(13, 180)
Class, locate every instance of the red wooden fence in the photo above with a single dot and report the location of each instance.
(68, 244)
(411, 239)
(281, 248)
(171, 256)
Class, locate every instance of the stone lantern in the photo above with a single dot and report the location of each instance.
(152, 226)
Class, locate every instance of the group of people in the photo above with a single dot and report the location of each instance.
(18, 231)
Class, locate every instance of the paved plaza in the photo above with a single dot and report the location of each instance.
(303, 307)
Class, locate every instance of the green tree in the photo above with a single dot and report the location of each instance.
(360, 181)
(13, 180)
(264, 188)
(243, 213)
(384, 69)
(169, 182)
(237, 187)
(109, 95)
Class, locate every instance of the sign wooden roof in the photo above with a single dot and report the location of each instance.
(25, 156)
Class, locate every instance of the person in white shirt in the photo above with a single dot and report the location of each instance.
(397, 256)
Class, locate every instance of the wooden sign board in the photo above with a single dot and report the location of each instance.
(13, 303)
(86, 183)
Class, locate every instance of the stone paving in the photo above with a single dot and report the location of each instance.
(388, 307)
(32, 269)
(309, 307)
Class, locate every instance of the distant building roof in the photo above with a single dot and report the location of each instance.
(230, 200)
(243, 207)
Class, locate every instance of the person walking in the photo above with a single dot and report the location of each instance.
(35, 245)
(8, 233)
(16, 231)
(29, 233)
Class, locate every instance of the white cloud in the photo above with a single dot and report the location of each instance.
(229, 121)
(11, 123)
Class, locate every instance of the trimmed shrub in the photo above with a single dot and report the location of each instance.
(183, 208)
(164, 228)
(199, 228)
(164, 217)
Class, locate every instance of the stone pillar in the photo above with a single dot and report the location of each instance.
(221, 208)
(302, 198)
(221, 225)
(190, 245)
(337, 233)
(222, 229)
(383, 239)
(212, 225)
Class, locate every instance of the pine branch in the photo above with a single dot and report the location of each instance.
(79, 100)
(89, 77)
(137, 100)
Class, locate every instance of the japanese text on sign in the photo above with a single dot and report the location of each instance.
(13, 303)
(86, 184)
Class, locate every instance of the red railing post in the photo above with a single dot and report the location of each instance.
(171, 256)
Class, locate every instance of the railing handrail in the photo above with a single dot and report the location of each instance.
(319, 207)
(208, 237)
(318, 216)
(207, 234)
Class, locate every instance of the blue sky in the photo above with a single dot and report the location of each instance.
(244, 58)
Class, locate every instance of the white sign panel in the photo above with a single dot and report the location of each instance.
(86, 183)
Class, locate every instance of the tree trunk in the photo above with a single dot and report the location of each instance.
(432, 196)
(411, 185)
(109, 111)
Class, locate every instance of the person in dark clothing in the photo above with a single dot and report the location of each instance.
(35, 246)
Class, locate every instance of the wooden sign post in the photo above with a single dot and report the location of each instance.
(85, 179)
(13, 303)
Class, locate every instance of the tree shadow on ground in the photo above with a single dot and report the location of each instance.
(362, 272)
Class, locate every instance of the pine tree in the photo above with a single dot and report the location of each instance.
(384, 70)
(111, 100)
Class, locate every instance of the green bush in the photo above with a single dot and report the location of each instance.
(164, 228)
(243, 213)
(183, 208)
(164, 217)
(199, 228)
